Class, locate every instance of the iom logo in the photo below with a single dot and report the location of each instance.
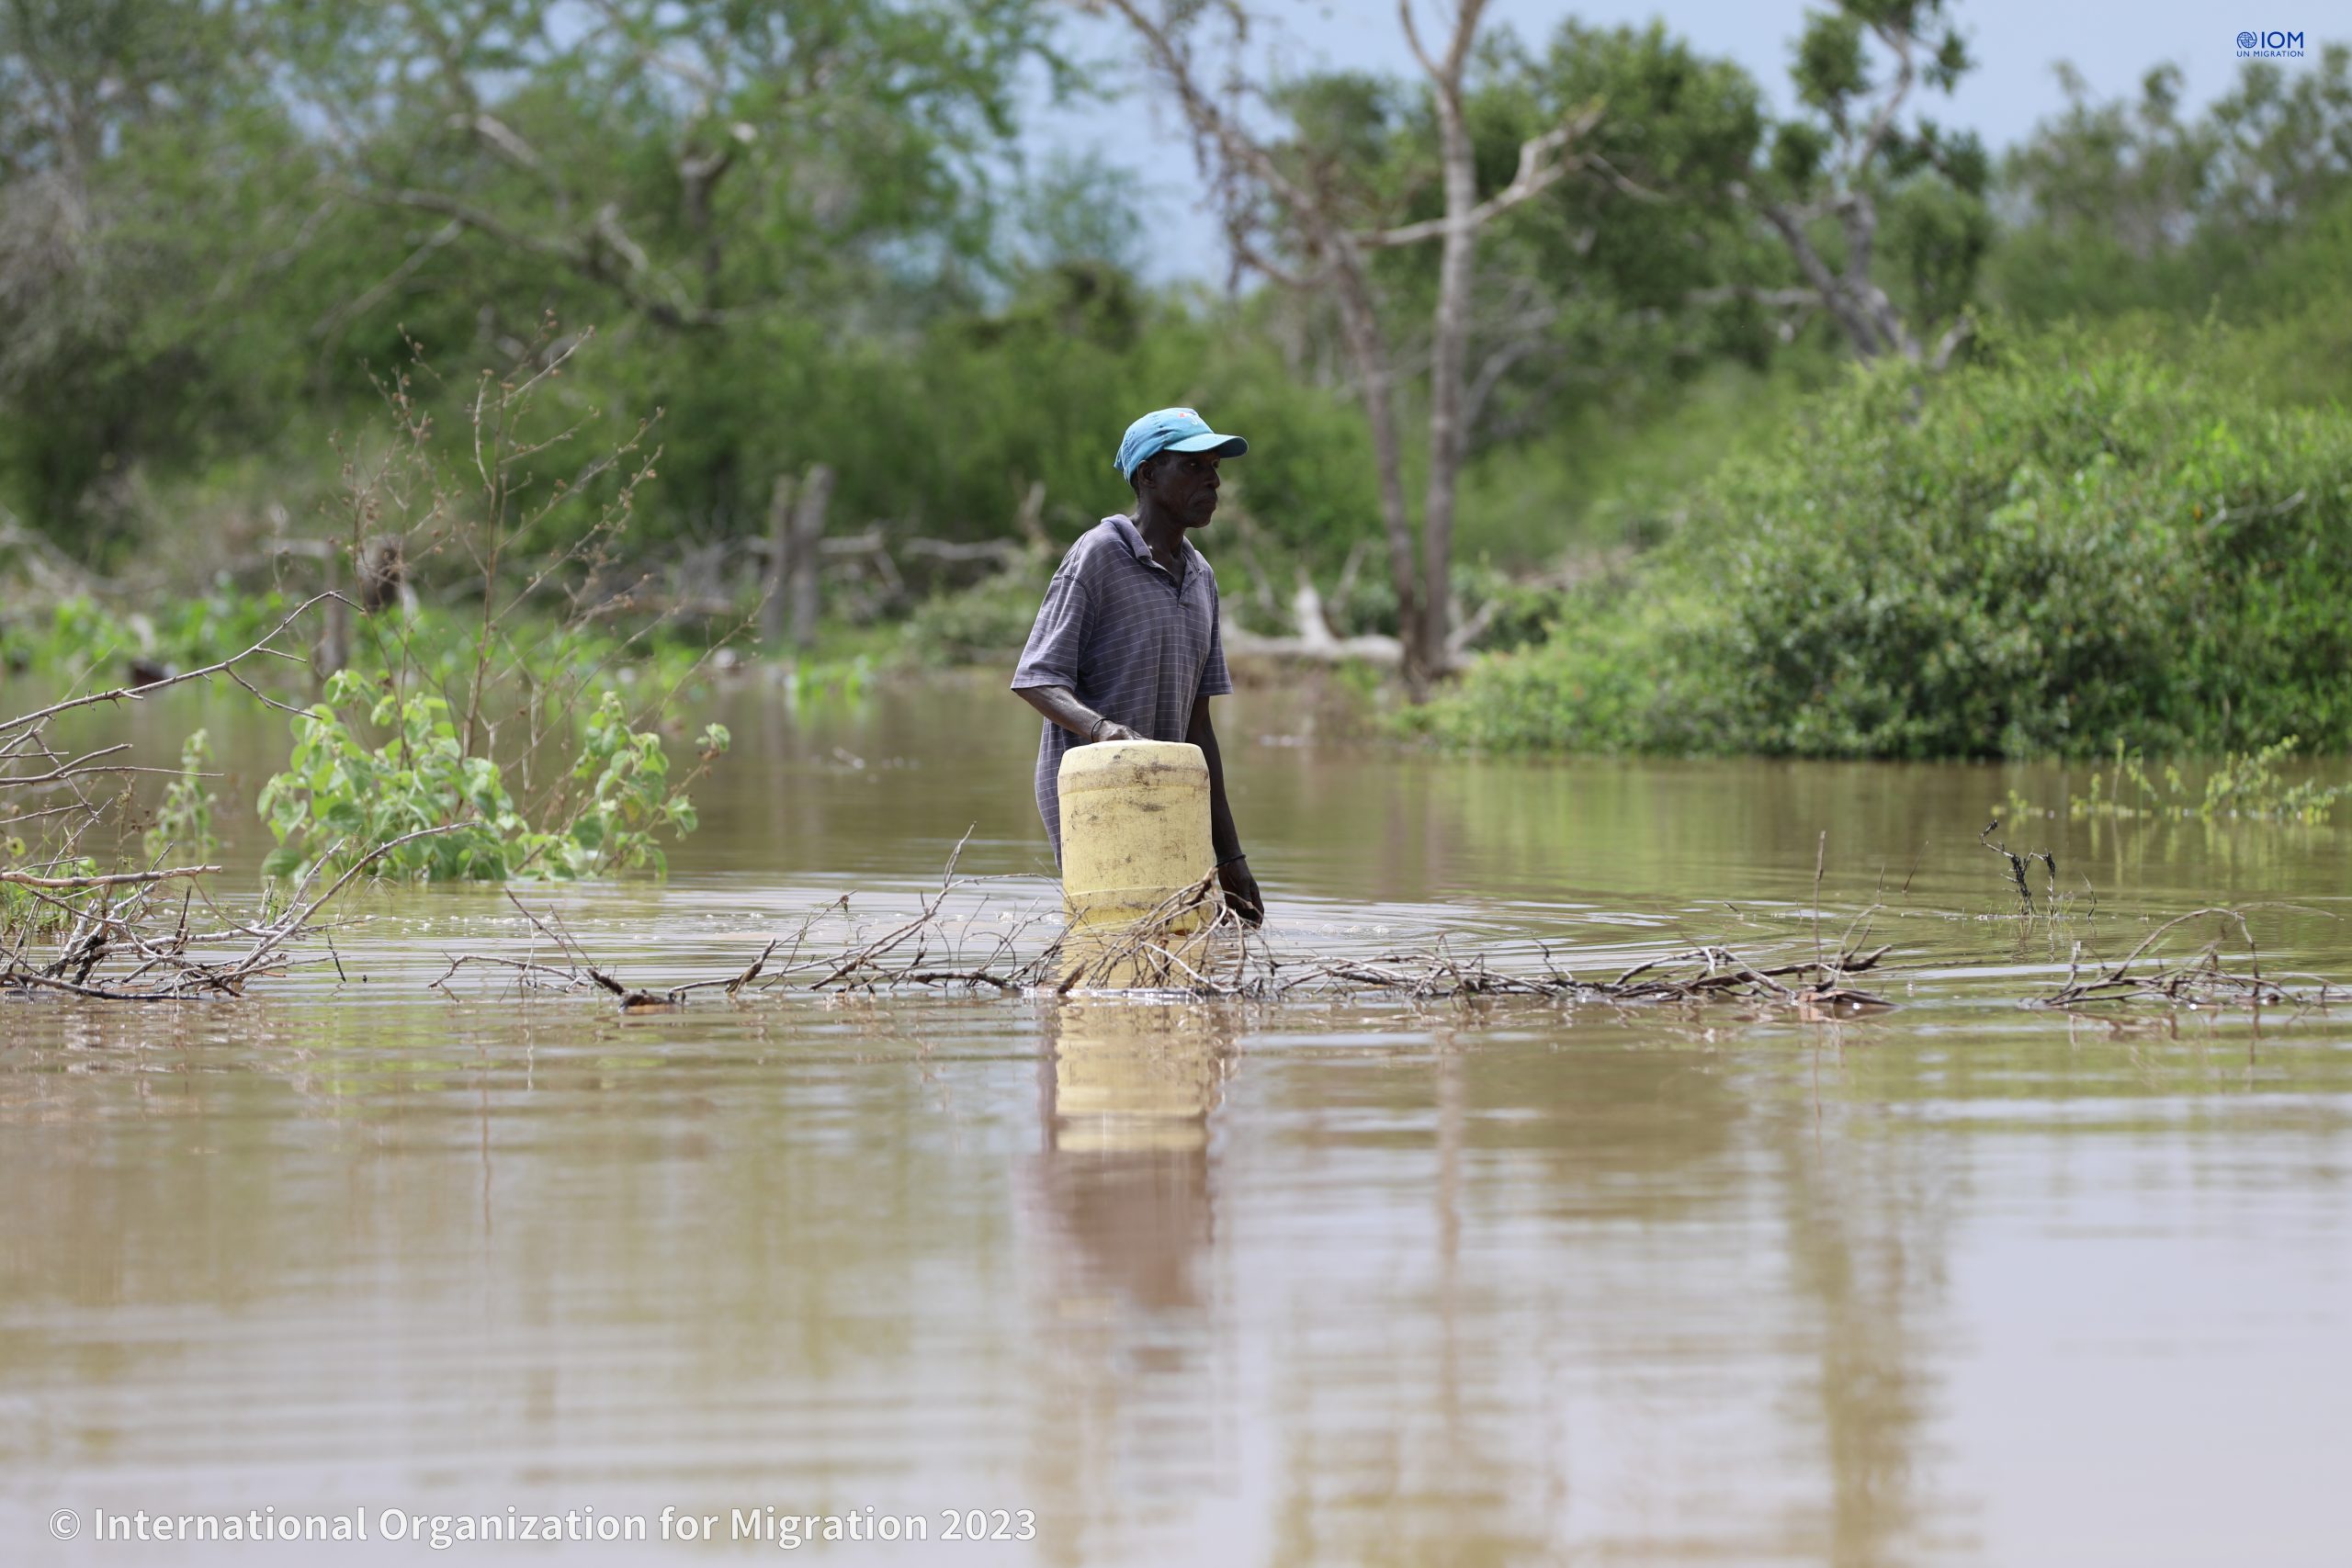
(2272, 45)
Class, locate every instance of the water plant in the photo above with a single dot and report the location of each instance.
(341, 799)
(2244, 784)
(184, 821)
(71, 924)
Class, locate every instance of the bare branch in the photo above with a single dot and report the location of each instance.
(1959, 333)
(1541, 165)
(1906, 71)
(111, 879)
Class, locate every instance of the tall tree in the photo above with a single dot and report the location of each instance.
(2134, 204)
(1290, 216)
(1591, 286)
(1858, 174)
(695, 162)
(136, 145)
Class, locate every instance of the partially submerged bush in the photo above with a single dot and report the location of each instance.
(987, 623)
(77, 635)
(2063, 549)
(183, 820)
(340, 799)
(2240, 785)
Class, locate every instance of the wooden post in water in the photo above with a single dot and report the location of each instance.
(772, 587)
(331, 652)
(808, 533)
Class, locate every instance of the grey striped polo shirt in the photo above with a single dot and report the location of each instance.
(1136, 645)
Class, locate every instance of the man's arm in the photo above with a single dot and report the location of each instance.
(1233, 866)
(1060, 705)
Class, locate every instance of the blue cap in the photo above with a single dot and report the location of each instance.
(1172, 430)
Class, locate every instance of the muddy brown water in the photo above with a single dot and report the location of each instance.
(1344, 1282)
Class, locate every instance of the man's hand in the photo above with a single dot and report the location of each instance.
(1241, 894)
(1060, 705)
(1110, 729)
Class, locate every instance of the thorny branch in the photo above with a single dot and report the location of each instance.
(2205, 979)
(125, 935)
(1192, 944)
(2019, 863)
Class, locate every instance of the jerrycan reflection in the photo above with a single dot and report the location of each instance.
(1124, 1180)
(1138, 874)
(1130, 1077)
(1119, 1228)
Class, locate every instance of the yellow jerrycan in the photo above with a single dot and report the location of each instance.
(1135, 843)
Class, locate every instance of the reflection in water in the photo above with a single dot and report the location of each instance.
(1120, 1202)
(1868, 1223)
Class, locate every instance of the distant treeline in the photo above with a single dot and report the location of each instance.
(254, 250)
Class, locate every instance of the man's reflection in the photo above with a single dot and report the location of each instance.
(1135, 1404)
(1124, 1181)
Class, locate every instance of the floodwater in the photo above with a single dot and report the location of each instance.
(1136, 1281)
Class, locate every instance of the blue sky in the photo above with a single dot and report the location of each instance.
(2015, 42)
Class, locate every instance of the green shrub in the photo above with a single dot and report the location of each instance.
(184, 821)
(1608, 679)
(71, 636)
(2241, 785)
(340, 799)
(2059, 548)
(987, 623)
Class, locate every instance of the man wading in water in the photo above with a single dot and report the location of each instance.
(1126, 647)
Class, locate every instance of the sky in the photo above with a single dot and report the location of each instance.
(2016, 43)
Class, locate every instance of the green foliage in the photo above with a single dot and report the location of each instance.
(1605, 681)
(2130, 206)
(120, 123)
(1830, 66)
(2243, 785)
(79, 634)
(24, 911)
(219, 208)
(987, 623)
(2061, 547)
(341, 799)
(183, 823)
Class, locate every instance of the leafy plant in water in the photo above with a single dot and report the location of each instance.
(339, 799)
(2245, 784)
(24, 913)
(184, 821)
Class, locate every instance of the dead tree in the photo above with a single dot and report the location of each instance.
(1837, 171)
(1286, 230)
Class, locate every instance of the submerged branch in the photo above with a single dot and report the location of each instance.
(2208, 979)
(1192, 944)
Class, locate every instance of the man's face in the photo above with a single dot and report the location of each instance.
(1184, 484)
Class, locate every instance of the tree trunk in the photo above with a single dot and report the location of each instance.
(808, 533)
(1449, 335)
(775, 589)
(1361, 326)
(332, 652)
